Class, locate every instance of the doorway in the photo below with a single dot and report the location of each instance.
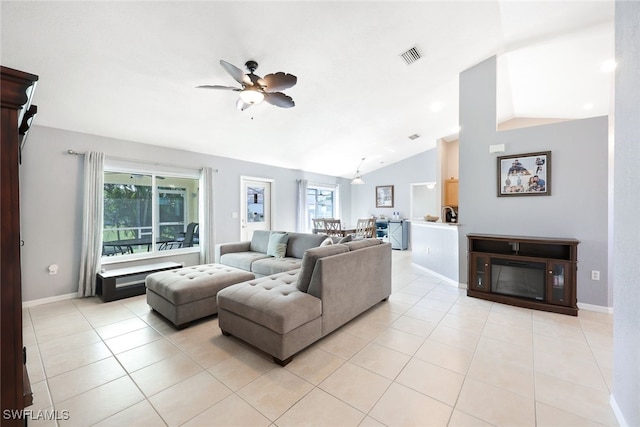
(256, 206)
(424, 200)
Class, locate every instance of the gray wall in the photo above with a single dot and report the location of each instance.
(577, 206)
(51, 200)
(422, 167)
(626, 235)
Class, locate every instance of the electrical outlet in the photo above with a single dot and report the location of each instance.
(595, 275)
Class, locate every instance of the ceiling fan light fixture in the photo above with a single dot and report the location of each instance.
(251, 96)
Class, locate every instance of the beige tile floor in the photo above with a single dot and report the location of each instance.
(430, 356)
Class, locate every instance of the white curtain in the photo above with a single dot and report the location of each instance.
(92, 222)
(207, 235)
(302, 218)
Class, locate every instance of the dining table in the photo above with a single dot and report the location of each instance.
(342, 232)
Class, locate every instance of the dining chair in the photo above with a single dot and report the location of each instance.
(318, 226)
(365, 228)
(333, 227)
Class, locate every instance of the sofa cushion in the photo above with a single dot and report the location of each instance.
(309, 262)
(242, 260)
(272, 302)
(277, 245)
(260, 241)
(271, 265)
(300, 242)
(363, 243)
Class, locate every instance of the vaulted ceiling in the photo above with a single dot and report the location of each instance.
(128, 70)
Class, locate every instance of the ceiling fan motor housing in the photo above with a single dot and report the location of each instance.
(251, 65)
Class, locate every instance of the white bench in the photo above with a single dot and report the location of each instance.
(129, 281)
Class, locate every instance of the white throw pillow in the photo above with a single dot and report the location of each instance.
(326, 242)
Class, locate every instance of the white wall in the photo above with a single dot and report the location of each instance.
(626, 235)
(577, 206)
(51, 184)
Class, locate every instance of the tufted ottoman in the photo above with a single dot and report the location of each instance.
(271, 314)
(190, 293)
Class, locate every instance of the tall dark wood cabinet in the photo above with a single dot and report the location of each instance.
(16, 390)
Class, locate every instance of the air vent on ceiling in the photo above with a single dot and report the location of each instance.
(414, 136)
(411, 56)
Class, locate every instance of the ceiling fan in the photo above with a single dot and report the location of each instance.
(256, 89)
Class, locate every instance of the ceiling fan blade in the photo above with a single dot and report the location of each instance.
(236, 73)
(278, 81)
(218, 87)
(279, 99)
(241, 105)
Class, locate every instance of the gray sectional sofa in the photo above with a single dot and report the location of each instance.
(189, 293)
(252, 255)
(285, 312)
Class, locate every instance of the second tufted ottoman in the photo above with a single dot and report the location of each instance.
(189, 293)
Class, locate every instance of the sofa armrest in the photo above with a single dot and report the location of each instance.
(350, 283)
(226, 248)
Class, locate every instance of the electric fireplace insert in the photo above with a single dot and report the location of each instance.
(524, 279)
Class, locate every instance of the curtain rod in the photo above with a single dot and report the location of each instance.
(77, 153)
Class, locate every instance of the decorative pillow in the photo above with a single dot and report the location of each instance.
(277, 245)
(346, 239)
(326, 242)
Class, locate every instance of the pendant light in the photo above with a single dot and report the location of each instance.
(357, 180)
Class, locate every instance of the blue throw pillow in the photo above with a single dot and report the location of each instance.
(277, 245)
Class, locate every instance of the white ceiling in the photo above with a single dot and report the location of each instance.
(128, 70)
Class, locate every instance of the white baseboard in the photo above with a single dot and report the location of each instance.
(598, 308)
(440, 276)
(617, 412)
(33, 303)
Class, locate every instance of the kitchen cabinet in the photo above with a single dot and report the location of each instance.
(451, 192)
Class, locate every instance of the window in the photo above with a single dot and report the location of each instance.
(322, 202)
(148, 212)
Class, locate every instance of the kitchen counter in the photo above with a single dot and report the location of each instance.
(434, 224)
(435, 248)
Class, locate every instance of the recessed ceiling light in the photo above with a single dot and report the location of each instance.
(435, 107)
(588, 106)
(608, 65)
(414, 136)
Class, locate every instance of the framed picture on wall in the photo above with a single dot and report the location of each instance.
(525, 174)
(384, 196)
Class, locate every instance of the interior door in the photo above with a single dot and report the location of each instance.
(256, 206)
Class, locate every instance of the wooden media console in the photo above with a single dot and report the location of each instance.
(530, 272)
